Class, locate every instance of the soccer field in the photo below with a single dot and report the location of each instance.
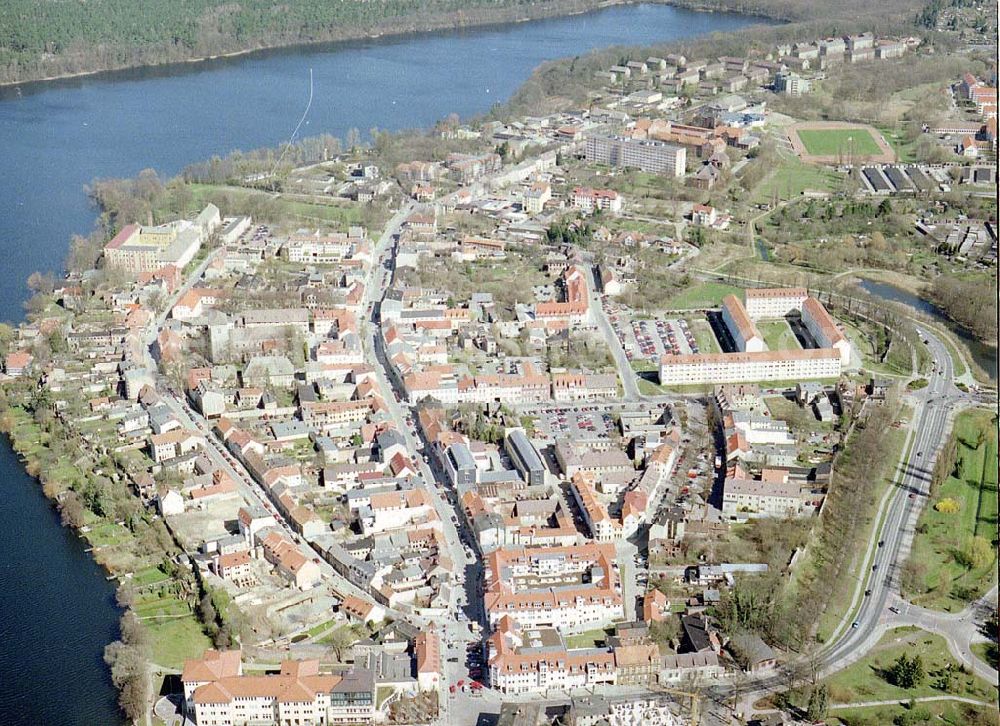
(831, 142)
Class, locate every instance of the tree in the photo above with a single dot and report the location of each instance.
(975, 553)
(340, 640)
(71, 511)
(818, 702)
(906, 672)
(664, 632)
(128, 658)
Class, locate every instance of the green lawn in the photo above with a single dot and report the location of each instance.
(588, 639)
(149, 576)
(945, 713)
(703, 335)
(176, 640)
(160, 608)
(778, 335)
(905, 150)
(108, 534)
(793, 177)
(947, 584)
(987, 652)
(865, 680)
(643, 365)
(702, 295)
(831, 142)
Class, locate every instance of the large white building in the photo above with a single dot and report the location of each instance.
(216, 693)
(767, 497)
(774, 302)
(652, 156)
(824, 330)
(592, 200)
(136, 249)
(573, 588)
(745, 334)
(771, 365)
(753, 362)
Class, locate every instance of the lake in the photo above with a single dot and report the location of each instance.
(58, 611)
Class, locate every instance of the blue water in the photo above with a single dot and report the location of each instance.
(57, 611)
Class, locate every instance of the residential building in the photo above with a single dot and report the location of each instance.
(592, 200)
(775, 365)
(774, 302)
(572, 588)
(745, 334)
(824, 330)
(652, 156)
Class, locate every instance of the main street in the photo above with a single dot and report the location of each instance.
(454, 629)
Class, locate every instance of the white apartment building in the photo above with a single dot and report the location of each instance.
(591, 200)
(774, 302)
(824, 330)
(537, 195)
(653, 156)
(316, 249)
(774, 365)
(572, 588)
(745, 334)
(749, 498)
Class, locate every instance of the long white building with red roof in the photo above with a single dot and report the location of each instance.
(752, 361)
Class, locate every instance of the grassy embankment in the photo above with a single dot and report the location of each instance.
(943, 579)
(842, 590)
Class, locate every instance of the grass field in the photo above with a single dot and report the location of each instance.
(778, 335)
(831, 142)
(702, 295)
(588, 639)
(792, 177)
(865, 680)
(176, 640)
(703, 335)
(947, 584)
(945, 713)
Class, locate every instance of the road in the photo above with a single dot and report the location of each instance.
(960, 630)
(625, 373)
(891, 543)
(456, 634)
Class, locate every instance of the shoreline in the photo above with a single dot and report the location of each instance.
(501, 17)
(413, 27)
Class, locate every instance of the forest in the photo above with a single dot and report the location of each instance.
(47, 38)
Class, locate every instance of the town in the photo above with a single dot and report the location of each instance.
(523, 420)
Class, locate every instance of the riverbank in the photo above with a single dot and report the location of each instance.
(134, 550)
(479, 18)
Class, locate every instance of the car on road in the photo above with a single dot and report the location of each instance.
(875, 567)
(868, 593)
(881, 542)
(894, 609)
(912, 495)
(854, 624)
(920, 453)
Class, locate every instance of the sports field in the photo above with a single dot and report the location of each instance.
(830, 142)
(838, 142)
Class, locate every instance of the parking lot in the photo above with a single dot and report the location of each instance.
(579, 422)
(655, 338)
